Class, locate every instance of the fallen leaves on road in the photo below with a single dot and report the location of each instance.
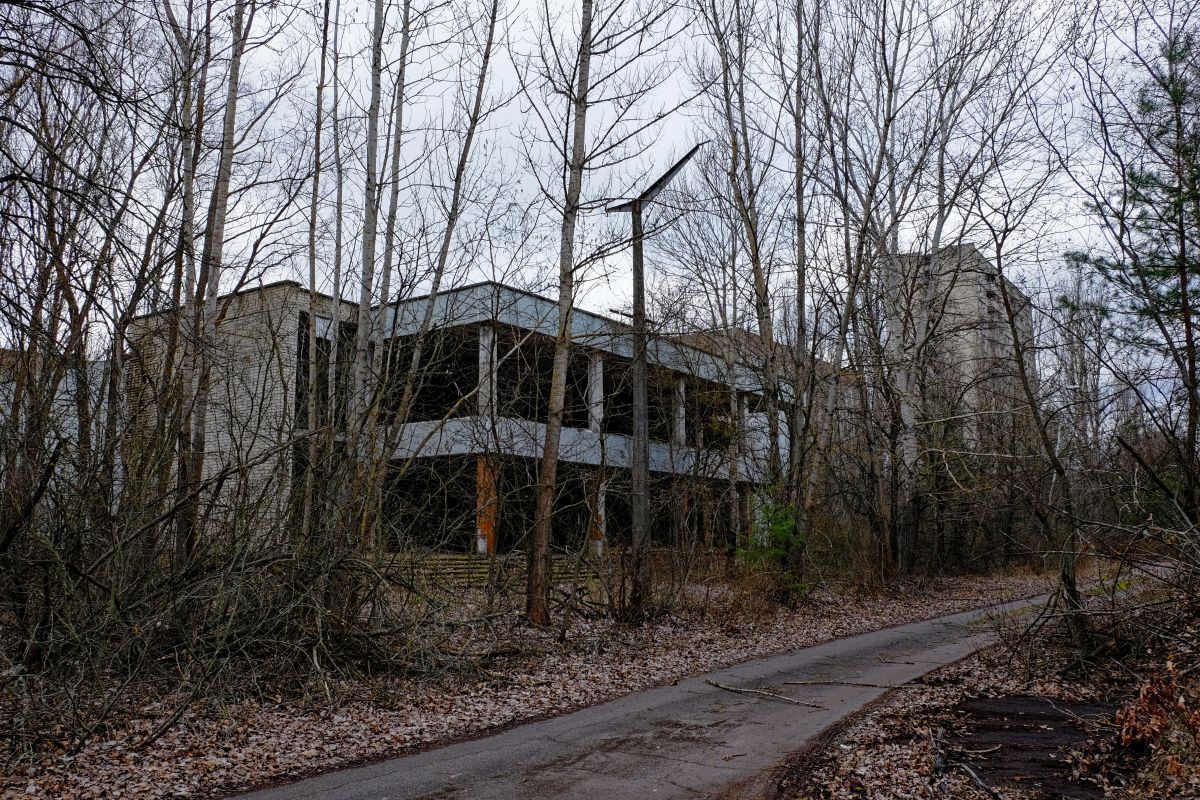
(893, 750)
(216, 749)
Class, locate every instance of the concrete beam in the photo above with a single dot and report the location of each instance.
(469, 436)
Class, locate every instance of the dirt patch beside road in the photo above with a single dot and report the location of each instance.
(914, 741)
(1026, 742)
(1030, 719)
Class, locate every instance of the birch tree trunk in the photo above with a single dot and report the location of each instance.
(313, 409)
(537, 590)
(359, 446)
(360, 390)
(210, 263)
(731, 32)
(334, 390)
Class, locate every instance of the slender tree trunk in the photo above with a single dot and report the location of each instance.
(334, 397)
(1068, 580)
(745, 185)
(380, 362)
(183, 285)
(537, 590)
(361, 449)
(313, 408)
(803, 359)
(214, 245)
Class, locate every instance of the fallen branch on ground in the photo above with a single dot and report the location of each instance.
(941, 764)
(764, 694)
(937, 780)
(849, 683)
(979, 782)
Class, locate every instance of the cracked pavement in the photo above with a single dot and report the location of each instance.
(685, 740)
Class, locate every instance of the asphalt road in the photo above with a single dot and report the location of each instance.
(687, 740)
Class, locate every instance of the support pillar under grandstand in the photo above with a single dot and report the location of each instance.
(487, 504)
(599, 525)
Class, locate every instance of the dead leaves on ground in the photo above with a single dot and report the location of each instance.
(218, 748)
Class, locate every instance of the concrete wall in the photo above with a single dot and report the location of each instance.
(250, 420)
(973, 358)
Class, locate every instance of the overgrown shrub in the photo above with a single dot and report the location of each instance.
(779, 546)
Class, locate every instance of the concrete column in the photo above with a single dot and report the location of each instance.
(679, 428)
(487, 504)
(486, 396)
(683, 509)
(745, 518)
(743, 423)
(595, 392)
(706, 517)
(599, 525)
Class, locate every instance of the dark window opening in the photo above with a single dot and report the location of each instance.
(524, 368)
(346, 333)
(618, 399)
(661, 388)
(574, 499)
(430, 503)
(710, 421)
(444, 381)
(666, 516)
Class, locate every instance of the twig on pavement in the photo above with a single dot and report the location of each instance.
(764, 693)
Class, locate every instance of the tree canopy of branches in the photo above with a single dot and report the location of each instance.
(207, 475)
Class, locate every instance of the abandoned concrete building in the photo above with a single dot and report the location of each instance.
(463, 461)
(971, 352)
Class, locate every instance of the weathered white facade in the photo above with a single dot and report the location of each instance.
(479, 404)
(257, 408)
(974, 359)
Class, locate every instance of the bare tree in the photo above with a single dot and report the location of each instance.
(606, 72)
